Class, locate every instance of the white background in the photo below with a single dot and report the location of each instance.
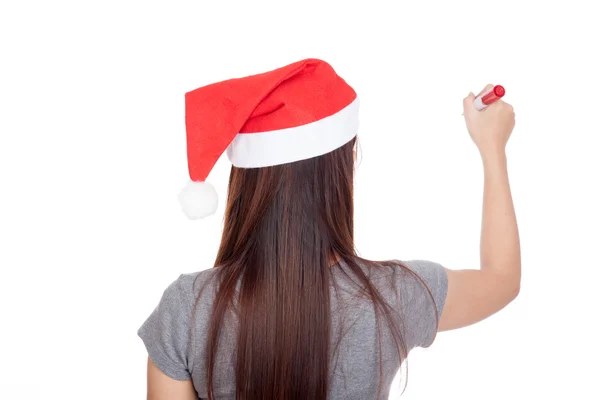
(92, 157)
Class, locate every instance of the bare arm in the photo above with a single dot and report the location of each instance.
(500, 248)
(163, 387)
(474, 295)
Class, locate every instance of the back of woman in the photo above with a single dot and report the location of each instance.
(290, 311)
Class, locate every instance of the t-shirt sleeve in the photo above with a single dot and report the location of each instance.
(166, 332)
(419, 310)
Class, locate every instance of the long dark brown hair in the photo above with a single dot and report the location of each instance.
(284, 227)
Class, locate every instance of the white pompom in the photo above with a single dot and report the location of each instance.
(198, 199)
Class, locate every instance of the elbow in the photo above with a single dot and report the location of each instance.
(512, 285)
(514, 290)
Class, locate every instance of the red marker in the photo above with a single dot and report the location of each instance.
(488, 97)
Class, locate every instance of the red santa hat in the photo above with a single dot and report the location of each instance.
(293, 113)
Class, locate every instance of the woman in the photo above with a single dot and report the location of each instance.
(289, 310)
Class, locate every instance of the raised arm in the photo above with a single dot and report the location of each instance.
(474, 295)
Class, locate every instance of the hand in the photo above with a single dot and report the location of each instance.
(491, 127)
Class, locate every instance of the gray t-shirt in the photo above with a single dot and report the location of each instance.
(179, 350)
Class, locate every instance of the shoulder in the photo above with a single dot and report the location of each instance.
(412, 282)
(431, 273)
(432, 277)
(426, 289)
(166, 331)
(180, 295)
(190, 285)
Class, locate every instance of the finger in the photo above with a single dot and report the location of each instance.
(468, 102)
(469, 97)
(486, 88)
(502, 103)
